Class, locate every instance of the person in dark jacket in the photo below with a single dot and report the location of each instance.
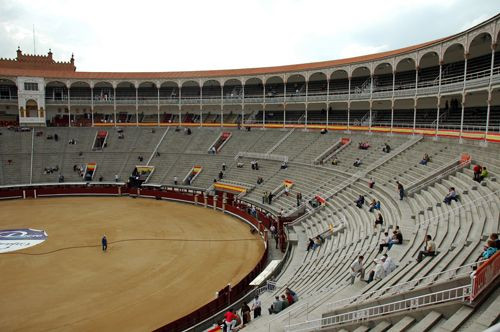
(104, 242)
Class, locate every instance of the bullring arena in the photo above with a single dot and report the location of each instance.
(365, 191)
(164, 261)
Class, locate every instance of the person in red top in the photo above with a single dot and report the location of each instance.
(289, 298)
(477, 172)
(231, 320)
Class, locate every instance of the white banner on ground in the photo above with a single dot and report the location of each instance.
(17, 239)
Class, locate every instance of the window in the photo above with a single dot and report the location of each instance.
(30, 86)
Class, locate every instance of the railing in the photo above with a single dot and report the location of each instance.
(485, 275)
(454, 294)
(356, 93)
(437, 175)
(404, 287)
(265, 156)
(282, 139)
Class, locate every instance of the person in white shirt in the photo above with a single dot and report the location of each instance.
(256, 308)
(389, 264)
(430, 248)
(378, 272)
(357, 267)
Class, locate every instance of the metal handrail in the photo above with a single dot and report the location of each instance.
(447, 295)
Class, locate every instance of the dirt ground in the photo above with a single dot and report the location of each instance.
(164, 260)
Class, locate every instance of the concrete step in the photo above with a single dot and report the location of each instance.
(427, 322)
(402, 325)
(381, 327)
(455, 321)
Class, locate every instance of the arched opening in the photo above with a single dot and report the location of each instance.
(103, 92)
(103, 95)
(479, 55)
(360, 80)
(31, 108)
(80, 91)
(403, 112)
(381, 113)
(274, 87)
(147, 91)
(453, 63)
(211, 90)
(317, 84)
(339, 82)
(382, 77)
(428, 72)
(232, 89)
(494, 120)
(80, 94)
(190, 90)
(169, 90)
(8, 89)
(296, 86)
(405, 74)
(254, 88)
(56, 91)
(125, 91)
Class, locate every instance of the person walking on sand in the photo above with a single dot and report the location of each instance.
(104, 243)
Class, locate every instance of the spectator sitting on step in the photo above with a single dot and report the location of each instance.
(294, 295)
(494, 237)
(379, 220)
(239, 164)
(224, 166)
(335, 161)
(310, 244)
(317, 242)
(276, 307)
(360, 201)
(284, 302)
(378, 273)
(484, 175)
(260, 180)
(357, 267)
(371, 183)
(357, 162)
(372, 205)
(221, 175)
(324, 131)
(386, 148)
(451, 196)
(389, 264)
(397, 238)
(429, 248)
(477, 172)
(491, 249)
(364, 145)
(384, 242)
(284, 165)
(425, 159)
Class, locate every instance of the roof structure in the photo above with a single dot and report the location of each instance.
(45, 66)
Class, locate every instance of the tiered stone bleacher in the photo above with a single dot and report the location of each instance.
(319, 276)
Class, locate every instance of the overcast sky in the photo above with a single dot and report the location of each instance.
(190, 35)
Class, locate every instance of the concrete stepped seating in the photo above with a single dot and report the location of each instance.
(427, 322)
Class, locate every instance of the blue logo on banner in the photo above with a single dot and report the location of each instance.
(16, 239)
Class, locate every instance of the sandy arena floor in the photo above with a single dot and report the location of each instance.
(144, 280)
